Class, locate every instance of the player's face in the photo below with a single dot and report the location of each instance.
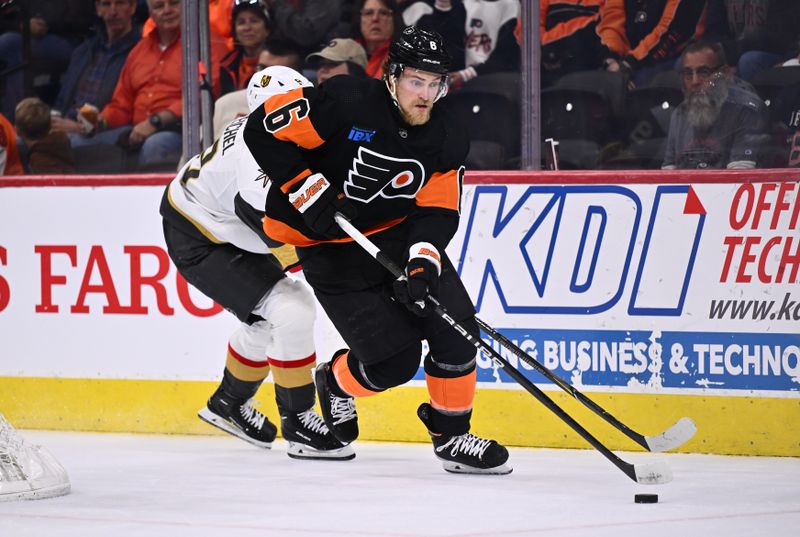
(416, 91)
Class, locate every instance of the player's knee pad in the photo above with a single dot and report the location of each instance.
(450, 351)
(247, 360)
(395, 370)
(289, 311)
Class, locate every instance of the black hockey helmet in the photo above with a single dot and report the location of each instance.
(419, 49)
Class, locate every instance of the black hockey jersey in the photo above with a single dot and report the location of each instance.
(350, 131)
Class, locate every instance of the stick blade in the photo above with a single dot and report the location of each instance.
(675, 436)
(654, 473)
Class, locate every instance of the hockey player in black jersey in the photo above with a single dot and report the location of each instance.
(380, 153)
(212, 226)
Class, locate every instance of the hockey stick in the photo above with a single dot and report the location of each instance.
(676, 435)
(647, 474)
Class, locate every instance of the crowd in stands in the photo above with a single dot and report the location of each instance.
(96, 85)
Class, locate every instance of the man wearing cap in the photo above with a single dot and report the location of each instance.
(339, 57)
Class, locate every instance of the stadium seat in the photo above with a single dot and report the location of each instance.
(769, 82)
(102, 158)
(611, 86)
(576, 114)
(648, 111)
(489, 107)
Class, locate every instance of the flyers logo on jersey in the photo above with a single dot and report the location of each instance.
(374, 175)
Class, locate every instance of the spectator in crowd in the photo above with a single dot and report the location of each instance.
(251, 27)
(10, 163)
(48, 152)
(755, 34)
(145, 110)
(308, 23)
(96, 64)
(720, 124)
(56, 26)
(219, 19)
(375, 23)
(568, 34)
(645, 37)
(232, 105)
(339, 57)
(785, 112)
(479, 34)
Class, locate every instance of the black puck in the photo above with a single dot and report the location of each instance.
(645, 498)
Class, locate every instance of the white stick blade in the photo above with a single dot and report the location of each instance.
(654, 473)
(675, 436)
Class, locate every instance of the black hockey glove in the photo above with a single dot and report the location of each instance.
(421, 278)
(318, 201)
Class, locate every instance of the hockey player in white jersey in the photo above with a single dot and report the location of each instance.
(212, 214)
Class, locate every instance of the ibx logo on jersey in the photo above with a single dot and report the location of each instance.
(374, 175)
(360, 135)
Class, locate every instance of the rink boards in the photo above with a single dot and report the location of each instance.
(660, 294)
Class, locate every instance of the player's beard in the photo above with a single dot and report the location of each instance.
(415, 116)
(703, 108)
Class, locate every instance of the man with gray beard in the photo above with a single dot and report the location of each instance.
(721, 123)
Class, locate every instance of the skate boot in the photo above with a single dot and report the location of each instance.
(339, 412)
(310, 438)
(239, 418)
(466, 453)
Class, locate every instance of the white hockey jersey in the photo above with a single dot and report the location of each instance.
(205, 190)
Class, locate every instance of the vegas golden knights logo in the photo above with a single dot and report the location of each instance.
(265, 79)
(374, 175)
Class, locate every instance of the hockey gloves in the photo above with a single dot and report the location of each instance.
(318, 201)
(421, 278)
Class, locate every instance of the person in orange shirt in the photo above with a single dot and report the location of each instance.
(145, 110)
(219, 20)
(10, 163)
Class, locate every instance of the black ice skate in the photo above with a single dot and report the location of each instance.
(239, 418)
(339, 412)
(310, 438)
(466, 453)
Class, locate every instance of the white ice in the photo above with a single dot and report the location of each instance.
(180, 486)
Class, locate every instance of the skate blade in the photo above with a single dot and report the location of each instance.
(212, 419)
(457, 468)
(302, 451)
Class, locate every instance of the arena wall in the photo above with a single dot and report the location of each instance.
(659, 294)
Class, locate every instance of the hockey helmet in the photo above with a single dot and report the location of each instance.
(272, 81)
(419, 49)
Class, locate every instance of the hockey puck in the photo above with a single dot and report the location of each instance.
(645, 498)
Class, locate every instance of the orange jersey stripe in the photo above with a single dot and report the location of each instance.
(287, 119)
(452, 395)
(345, 379)
(443, 190)
(294, 180)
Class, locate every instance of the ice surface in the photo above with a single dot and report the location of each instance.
(181, 486)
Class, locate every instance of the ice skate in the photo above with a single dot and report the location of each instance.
(466, 453)
(239, 418)
(309, 438)
(339, 412)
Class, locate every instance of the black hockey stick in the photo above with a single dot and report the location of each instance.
(647, 474)
(676, 435)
